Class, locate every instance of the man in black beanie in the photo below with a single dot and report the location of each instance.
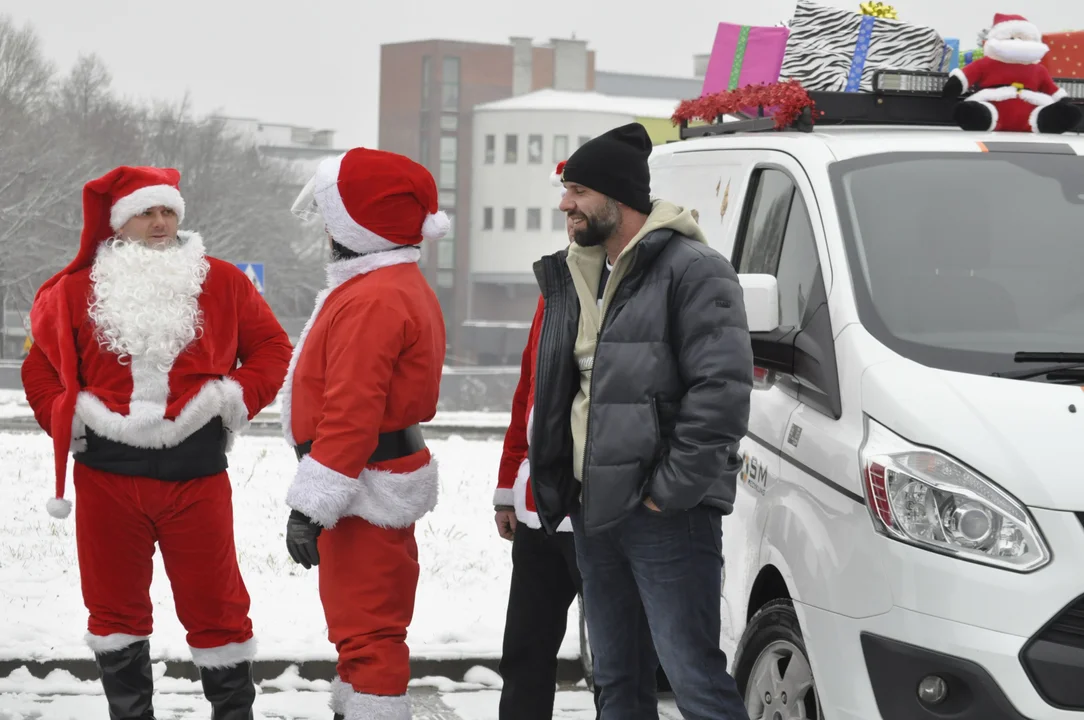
(643, 379)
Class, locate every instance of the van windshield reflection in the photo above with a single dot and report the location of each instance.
(961, 260)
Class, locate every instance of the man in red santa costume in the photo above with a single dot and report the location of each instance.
(149, 356)
(366, 371)
(1014, 92)
(545, 579)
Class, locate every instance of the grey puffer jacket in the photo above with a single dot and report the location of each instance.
(670, 385)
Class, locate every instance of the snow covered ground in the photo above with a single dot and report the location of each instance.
(13, 404)
(461, 598)
(62, 697)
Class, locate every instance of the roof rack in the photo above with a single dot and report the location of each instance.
(899, 97)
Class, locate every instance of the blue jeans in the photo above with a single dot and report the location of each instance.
(654, 579)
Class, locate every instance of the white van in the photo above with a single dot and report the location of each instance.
(907, 541)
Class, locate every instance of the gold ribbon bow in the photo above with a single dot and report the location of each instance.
(879, 10)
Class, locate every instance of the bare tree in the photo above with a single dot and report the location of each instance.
(25, 75)
(58, 132)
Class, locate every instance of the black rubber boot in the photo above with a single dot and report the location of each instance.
(127, 681)
(230, 691)
(973, 116)
(1058, 118)
(339, 717)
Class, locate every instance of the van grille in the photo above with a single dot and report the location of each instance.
(1067, 628)
(1054, 658)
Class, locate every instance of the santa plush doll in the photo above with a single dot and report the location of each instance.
(1013, 91)
(364, 375)
(148, 356)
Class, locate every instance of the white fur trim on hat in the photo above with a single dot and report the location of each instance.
(144, 199)
(1007, 29)
(558, 182)
(342, 228)
(436, 225)
(59, 508)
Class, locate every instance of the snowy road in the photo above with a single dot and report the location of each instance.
(428, 704)
(288, 697)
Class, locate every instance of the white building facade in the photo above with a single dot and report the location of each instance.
(515, 219)
(302, 147)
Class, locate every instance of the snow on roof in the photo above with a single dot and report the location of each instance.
(563, 100)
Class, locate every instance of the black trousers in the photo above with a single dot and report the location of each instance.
(545, 583)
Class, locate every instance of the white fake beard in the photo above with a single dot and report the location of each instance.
(1015, 51)
(145, 302)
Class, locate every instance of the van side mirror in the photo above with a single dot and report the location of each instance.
(804, 357)
(761, 301)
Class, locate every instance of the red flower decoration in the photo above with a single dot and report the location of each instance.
(785, 101)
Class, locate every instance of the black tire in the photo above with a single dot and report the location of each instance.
(773, 630)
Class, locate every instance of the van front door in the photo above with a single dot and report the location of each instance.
(761, 235)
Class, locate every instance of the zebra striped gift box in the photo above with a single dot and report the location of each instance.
(830, 49)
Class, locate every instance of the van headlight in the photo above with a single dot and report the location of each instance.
(925, 498)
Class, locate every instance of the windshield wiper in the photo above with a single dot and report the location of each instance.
(1049, 357)
(1070, 366)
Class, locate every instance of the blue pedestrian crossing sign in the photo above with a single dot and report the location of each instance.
(254, 272)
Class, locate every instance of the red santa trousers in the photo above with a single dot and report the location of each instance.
(118, 520)
(368, 581)
(1015, 115)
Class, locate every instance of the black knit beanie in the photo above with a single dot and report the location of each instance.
(615, 164)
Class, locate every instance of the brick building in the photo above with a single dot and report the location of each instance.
(427, 92)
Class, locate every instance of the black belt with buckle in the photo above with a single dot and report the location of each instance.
(390, 445)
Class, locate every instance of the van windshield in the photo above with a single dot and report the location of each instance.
(962, 260)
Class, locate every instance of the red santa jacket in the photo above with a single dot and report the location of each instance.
(369, 361)
(514, 475)
(148, 405)
(1000, 81)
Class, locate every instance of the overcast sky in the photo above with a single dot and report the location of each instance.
(316, 62)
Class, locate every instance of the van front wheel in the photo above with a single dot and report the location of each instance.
(772, 667)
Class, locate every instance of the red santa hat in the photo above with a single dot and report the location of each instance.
(115, 198)
(1007, 26)
(557, 177)
(108, 203)
(373, 200)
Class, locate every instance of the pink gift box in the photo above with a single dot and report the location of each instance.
(745, 55)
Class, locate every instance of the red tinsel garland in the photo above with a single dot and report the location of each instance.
(784, 100)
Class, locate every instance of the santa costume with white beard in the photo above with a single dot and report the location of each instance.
(365, 373)
(1013, 91)
(147, 360)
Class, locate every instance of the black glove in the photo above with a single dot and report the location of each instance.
(301, 534)
(952, 88)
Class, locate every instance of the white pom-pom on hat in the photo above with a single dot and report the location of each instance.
(557, 177)
(436, 225)
(59, 508)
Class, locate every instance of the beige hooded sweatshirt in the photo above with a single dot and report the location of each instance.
(585, 264)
